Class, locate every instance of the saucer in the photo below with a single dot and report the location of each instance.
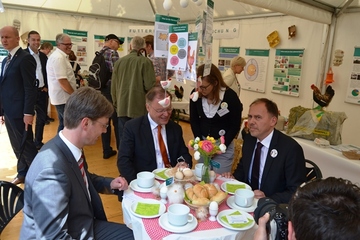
(164, 223)
(133, 185)
(227, 225)
(234, 182)
(162, 208)
(231, 203)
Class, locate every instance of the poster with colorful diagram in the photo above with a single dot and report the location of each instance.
(178, 47)
(287, 71)
(353, 90)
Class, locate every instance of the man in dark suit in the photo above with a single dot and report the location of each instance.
(281, 167)
(61, 199)
(41, 102)
(17, 98)
(139, 146)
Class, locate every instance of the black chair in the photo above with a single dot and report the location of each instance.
(312, 171)
(11, 202)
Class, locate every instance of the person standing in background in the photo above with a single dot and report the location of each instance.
(61, 78)
(216, 113)
(46, 48)
(76, 69)
(237, 65)
(42, 86)
(161, 73)
(132, 77)
(17, 100)
(109, 51)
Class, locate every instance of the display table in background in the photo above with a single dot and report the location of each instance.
(331, 162)
(179, 107)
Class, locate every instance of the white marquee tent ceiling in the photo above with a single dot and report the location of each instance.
(144, 10)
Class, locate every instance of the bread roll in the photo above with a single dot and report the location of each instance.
(190, 193)
(220, 196)
(200, 191)
(212, 191)
(201, 201)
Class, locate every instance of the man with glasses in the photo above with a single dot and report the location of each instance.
(60, 75)
(109, 51)
(140, 148)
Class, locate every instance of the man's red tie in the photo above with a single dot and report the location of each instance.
(256, 167)
(163, 149)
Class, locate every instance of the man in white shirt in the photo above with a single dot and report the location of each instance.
(61, 78)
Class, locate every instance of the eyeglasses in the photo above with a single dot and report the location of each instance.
(67, 44)
(204, 87)
(162, 111)
(103, 125)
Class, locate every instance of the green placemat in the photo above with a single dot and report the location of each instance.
(233, 187)
(147, 209)
(162, 174)
(237, 225)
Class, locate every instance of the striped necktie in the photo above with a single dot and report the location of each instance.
(82, 169)
(8, 60)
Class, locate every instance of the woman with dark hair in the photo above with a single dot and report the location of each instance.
(76, 68)
(216, 113)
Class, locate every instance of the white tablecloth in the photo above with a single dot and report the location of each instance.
(184, 104)
(330, 161)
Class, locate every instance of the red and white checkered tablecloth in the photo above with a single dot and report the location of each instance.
(154, 230)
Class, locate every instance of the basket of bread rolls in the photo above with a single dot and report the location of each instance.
(201, 194)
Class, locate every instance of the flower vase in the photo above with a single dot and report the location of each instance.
(205, 173)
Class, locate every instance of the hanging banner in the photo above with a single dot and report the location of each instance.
(80, 41)
(225, 56)
(178, 47)
(209, 19)
(161, 42)
(190, 73)
(140, 31)
(287, 72)
(255, 70)
(353, 90)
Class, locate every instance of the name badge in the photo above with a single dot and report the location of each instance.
(223, 111)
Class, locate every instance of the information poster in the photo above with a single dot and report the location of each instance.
(255, 70)
(161, 29)
(225, 56)
(80, 41)
(287, 71)
(190, 73)
(353, 90)
(178, 47)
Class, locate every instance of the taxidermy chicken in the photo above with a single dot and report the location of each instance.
(322, 99)
(179, 92)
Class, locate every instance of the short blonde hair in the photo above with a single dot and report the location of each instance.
(237, 61)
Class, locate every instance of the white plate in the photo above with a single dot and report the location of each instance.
(162, 208)
(230, 211)
(223, 186)
(231, 203)
(157, 171)
(164, 223)
(136, 188)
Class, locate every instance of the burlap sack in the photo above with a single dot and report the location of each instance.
(313, 123)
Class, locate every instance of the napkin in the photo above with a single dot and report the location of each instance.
(233, 187)
(236, 225)
(147, 209)
(162, 174)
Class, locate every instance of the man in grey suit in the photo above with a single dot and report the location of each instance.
(281, 165)
(61, 196)
(17, 99)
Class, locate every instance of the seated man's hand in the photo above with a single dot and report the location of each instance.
(227, 175)
(119, 183)
(261, 233)
(259, 194)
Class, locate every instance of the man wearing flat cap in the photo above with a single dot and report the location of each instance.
(109, 51)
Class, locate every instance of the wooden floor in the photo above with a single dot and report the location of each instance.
(96, 163)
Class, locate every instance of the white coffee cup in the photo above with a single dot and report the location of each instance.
(179, 214)
(145, 179)
(244, 197)
(198, 169)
